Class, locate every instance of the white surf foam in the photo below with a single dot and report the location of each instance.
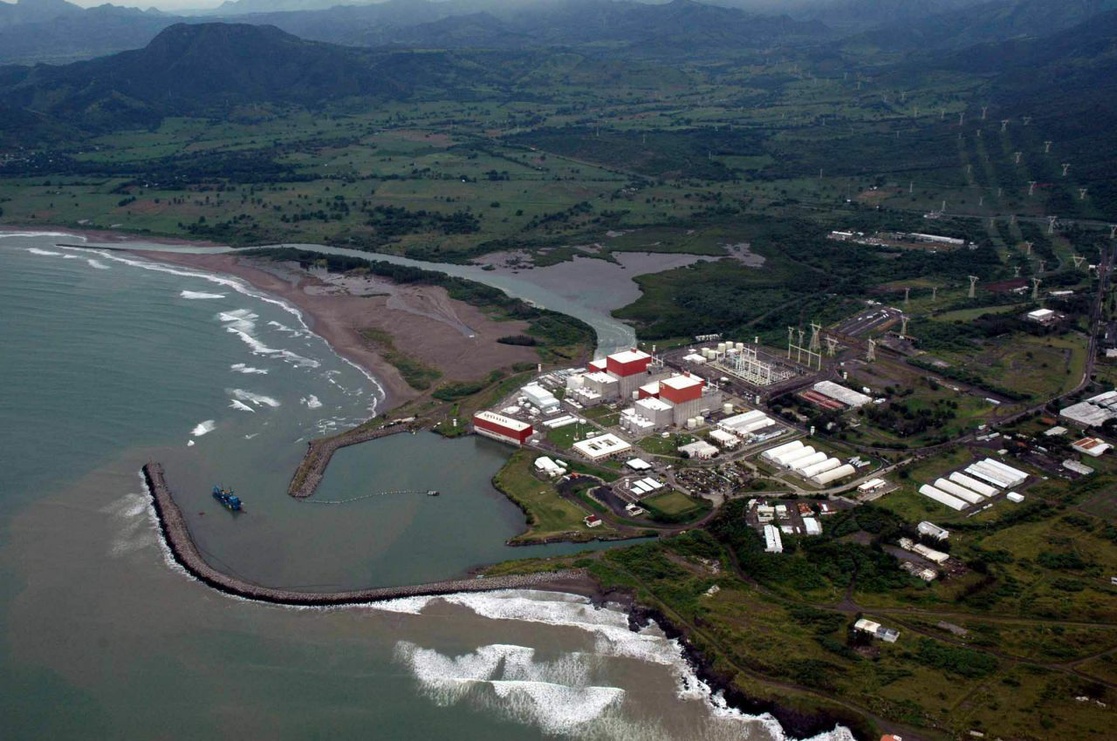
(240, 405)
(189, 443)
(200, 295)
(203, 428)
(5, 235)
(612, 638)
(257, 399)
(44, 253)
(555, 696)
(247, 370)
(134, 529)
(97, 264)
(311, 401)
(243, 288)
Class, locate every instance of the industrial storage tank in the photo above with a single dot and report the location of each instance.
(721, 348)
(740, 346)
(691, 423)
(700, 419)
(727, 408)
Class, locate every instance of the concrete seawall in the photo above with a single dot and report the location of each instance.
(186, 554)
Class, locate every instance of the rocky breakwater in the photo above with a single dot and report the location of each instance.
(319, 452)
(186, 554)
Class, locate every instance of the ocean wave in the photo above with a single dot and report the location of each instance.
(134, 527)
(555, 696)
(200, 295)
(612, 638)
(247, 370)
(97, 264)
(203, 428)
(42, 252)
(311, 402)
(257, 399)
(244, 288)
(240, 405)
(5, 235)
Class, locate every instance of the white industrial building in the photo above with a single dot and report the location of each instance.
(770, 453)
(644, 486)
(967, 495)
(1041, 316)
(634, 424)
(872, 485)
(773, 542)
(932, 530)
(1072, 465)
(1093, 412)
(699, 450)
(725, 439)
(942, 497)
(540, 398)
(548, 467)
(828, 464)
(659, 412)
(847, 396)
(639, 464)
(997, 473)
(601, 446)
(748, 424)
(971, 483)
(1091, 446)
(812, 526)
(836, 474)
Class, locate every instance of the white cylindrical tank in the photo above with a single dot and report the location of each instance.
(635, 395)
(721, 348)
(727, 408)
(740, 346)
(700, 419)
(691, 423)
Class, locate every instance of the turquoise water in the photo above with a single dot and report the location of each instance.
(109, 362)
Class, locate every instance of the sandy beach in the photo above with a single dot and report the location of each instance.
(424, 322)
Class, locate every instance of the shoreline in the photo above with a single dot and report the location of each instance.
(795, 722)
(180, 546)
(325, 317)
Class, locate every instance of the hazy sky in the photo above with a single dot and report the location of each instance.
(161, 4)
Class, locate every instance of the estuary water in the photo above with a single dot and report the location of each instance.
(110, 361)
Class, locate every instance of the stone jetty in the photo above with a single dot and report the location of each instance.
(319, 452)
(186, 554)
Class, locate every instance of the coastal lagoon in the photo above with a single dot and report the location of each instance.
(111, 361)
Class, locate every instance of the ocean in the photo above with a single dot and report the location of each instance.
(110, 361)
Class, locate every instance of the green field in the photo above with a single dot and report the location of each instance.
(548, 514)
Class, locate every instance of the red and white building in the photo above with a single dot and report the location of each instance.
(630, 368)
(684, 394)
(499, 427)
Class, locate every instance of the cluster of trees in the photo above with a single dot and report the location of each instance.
(906, 421)
(396, 221)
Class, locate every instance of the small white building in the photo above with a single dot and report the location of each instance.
(601, 446)
(1042, 316)
(932, 530)
(699, 450)
(773, 541)
(1091, 446)
(541, 398)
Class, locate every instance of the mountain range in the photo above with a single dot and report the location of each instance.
(57, 31)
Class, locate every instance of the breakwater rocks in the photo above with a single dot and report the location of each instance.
(186, 554)
(319, 452)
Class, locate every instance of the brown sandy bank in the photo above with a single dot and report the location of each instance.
(423, 321)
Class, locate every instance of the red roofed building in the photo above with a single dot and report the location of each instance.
(499, 427)
(681, 389)
(628, 363)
